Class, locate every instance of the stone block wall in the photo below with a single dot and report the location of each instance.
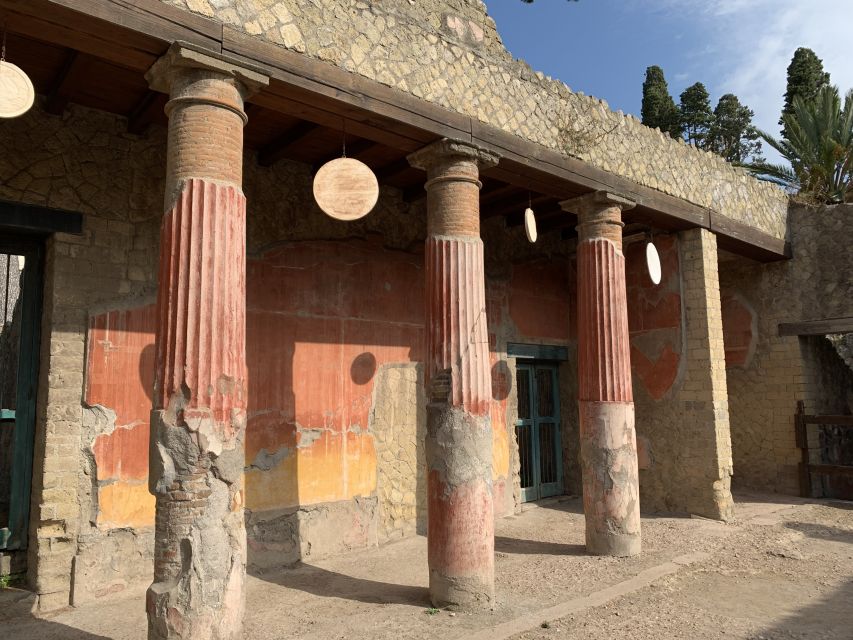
(84, 162)
(449, 52)
(771, 373)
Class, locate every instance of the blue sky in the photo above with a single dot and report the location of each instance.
(602, 47)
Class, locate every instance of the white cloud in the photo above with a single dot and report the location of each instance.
(749, 44)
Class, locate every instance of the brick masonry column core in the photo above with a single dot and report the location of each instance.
(198, 419)
(460, 530)
(608, 441)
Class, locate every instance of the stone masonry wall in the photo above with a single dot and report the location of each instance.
(764, 388)
(449, 52)
(85, 162)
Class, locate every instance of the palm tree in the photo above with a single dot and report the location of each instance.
(818, 146)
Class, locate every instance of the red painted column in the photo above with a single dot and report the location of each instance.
(611, 490)
(199, 415)
(459, 434)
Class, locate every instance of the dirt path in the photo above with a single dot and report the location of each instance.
(781, 571)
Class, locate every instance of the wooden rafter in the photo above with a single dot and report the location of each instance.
(145, 111)
(515, 205)
(392, 169)
(277, 149)
(354, 150)
(57, 97)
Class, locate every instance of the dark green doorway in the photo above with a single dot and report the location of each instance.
(21, 265)
(537, 430)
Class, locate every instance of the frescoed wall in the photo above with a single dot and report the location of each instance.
(654, 317)
(335, 337)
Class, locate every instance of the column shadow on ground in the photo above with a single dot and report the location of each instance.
(30, 628)
(535, 547)
(330, 584)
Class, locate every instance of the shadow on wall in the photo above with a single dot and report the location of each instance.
(326, 323)
(334, 337)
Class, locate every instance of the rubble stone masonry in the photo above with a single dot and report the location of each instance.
(764, 388)
(448, 52)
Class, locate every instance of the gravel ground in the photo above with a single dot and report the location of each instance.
(782, 570)
(789, 576)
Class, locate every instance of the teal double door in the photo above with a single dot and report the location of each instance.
(537, 431)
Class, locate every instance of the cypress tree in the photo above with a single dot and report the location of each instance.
(805, 78)
(696, 115)
(658, 108)
(732, 134)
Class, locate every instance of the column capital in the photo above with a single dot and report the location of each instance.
(447, 149)
(183, 57)
(596, 201)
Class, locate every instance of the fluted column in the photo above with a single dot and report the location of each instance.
(460, 530)
(199, 414)
(611, 491)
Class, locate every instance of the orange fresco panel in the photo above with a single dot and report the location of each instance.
(322, 318)
(500, 435)
(120, 376)
(123, 454)
(124, 504)
(275, 488)
(120, 367)
(360, 464)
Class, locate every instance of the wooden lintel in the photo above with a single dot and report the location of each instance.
(277, 149)
(743, 239)
(57, 97)
(133, 33)
(15, 216)
(817, 327)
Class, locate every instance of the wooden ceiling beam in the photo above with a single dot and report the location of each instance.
(354, 150)
(57, 97)
(145, 112)
(561, 220)
(515, 205)
(392, 169)
(498, 194)
(277, 149)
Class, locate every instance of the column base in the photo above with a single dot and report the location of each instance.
(611, 487)
(618, 545)
(461, 593)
